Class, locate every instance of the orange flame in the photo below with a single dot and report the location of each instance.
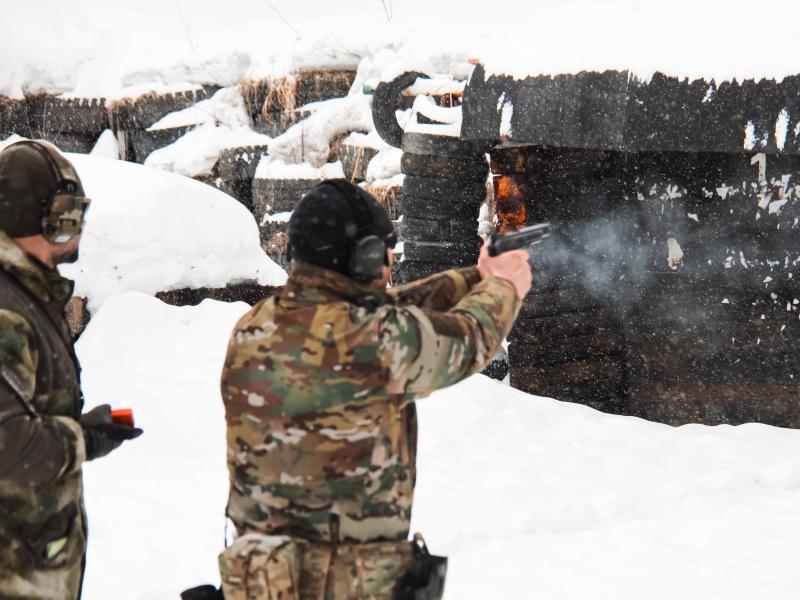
(511, 209)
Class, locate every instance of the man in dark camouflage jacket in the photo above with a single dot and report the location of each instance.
(43, 438)
(319, 384)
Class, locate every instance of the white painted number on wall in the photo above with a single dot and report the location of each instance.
(760, 159)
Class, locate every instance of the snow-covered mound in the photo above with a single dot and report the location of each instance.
(150, 231)
(529, 497)
(110, 49)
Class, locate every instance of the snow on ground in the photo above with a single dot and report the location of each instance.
(157, 505)
(529, 497)
(108, 49)
(151, 231)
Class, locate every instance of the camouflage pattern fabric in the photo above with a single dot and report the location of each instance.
(258, 566)
(42, 524)
(319, 384)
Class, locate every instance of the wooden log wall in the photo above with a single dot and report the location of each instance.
(671, 289)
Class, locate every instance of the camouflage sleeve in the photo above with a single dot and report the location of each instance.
(425, 350)
(34, 449)
(437, 292)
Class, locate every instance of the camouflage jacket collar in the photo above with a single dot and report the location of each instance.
(315, 285)
(42, 281)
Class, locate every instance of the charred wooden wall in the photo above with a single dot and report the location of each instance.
(670, 291)
(671, 288)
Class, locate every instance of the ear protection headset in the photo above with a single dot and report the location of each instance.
(63, 210)
(367, 252)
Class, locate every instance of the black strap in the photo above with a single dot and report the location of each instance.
(9, 378)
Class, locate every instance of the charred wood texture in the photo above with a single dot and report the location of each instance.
(142, 143)
(460, 253)
(615, 110)
(13, 117)
(272, 196)
(713, 355)
(430, 230)
(249, 292)
(144, 111)
(130, 119)
(475, 168)
(671, 286)
(355, 160)
(443, 145)
(236, 169)
(87, 116)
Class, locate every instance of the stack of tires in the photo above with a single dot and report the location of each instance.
(236, 169)
(13, 117)
(72, 124)
(132, 120)
(273, 202)
(444, 187)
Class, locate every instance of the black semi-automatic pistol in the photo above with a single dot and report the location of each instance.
(519, 239)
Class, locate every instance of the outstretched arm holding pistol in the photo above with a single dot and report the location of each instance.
(506, 256)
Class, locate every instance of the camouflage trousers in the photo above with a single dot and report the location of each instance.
(264, 567)
(45, 562)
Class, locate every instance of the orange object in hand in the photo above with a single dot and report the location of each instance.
(123, 416)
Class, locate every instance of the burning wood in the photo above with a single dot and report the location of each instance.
(509, 203)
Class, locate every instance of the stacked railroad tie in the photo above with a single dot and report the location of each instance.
(444, 187)
(274, 200)
(72, 124)
(567, 344)
(236, 169)
(134, 120)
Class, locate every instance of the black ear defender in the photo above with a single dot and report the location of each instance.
(64, 209)
(368, 253)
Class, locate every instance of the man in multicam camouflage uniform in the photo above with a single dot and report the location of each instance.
(43, 438)
(319, 384)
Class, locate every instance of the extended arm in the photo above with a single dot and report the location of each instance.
(33, 449)
(438, 292)
(425, 350)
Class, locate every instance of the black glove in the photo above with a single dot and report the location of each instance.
(101, 434)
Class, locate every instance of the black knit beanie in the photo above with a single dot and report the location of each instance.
(323, 226)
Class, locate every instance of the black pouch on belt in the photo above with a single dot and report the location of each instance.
(202, 592)
(424, 579)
